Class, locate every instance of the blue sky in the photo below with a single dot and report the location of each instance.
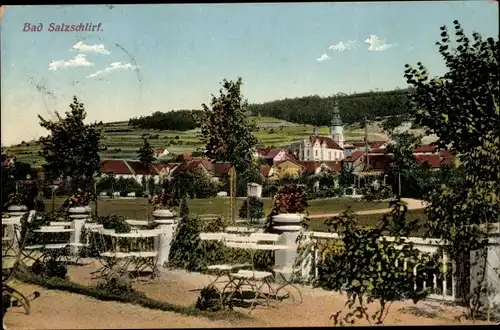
(160, 57)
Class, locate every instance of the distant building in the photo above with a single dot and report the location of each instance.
(323, 148)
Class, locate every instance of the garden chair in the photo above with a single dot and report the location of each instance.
(141, 248)
(252, 278)
(11, 261)
(110, 258)
(218, 273)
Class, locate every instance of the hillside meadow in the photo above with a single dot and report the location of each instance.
(122, 141)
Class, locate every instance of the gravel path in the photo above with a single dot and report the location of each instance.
(63, 310)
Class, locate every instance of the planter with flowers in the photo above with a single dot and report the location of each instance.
(78, 204)
(16, 204)
(164, 204)
(288, 217)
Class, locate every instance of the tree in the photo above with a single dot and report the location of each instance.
(404, 170)
(252, 209)
(462, 109)
(72, 148)
(146, 153)
(225, 129)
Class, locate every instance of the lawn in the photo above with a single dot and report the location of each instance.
(138, 209)
(374, 219)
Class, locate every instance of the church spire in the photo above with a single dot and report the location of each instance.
(336, 120)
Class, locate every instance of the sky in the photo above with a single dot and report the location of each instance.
(159, 57)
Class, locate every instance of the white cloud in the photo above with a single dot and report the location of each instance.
(115, 66)
(342, 46)
(81, 47)
(78, 61)
(378, 45)
(323, 57)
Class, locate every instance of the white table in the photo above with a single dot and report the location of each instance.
(141, 259)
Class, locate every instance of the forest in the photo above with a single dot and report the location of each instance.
(312, 110)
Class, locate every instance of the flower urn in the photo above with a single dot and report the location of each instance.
(16, 210)
(80, 212)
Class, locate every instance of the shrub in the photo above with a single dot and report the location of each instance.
(253, 207)
(209, 299)
(365, 265)
(123, 194)
(290, 198)
(185, 250)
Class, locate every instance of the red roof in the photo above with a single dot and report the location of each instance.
(274, 152)
(425, 149)
(333, 165)
(330, 143)
(376, 144)
(160, 150)
(378, 151)
(435, 160)
(138, 168)
(218, 169)
(264, 170)
(114, 166)
(288, 160)
(309, 166)
(354, 156)
(379, 162)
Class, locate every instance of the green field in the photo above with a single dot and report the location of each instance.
(124, 145)
(374, 220)
(138, 209)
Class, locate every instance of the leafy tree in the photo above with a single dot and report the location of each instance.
(179, 120)
(146, 153)
(225, 129)
(252, 209)
(462, 109)
(346, 176)
(404, 170)
(72, 148)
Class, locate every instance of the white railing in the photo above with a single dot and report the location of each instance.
(441, 289)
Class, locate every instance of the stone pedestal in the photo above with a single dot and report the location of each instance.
(288, 226)
(17, 210)
(167, 223)
(78, 215)
(254, 190)
(485, 270)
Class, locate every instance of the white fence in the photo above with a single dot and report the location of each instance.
(441, 289)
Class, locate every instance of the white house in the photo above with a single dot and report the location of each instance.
(161, 152)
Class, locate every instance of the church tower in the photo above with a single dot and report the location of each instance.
(336, 126)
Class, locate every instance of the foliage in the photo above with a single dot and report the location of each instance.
(462, 109)
(49, 268)
(10, 173)
(165, 199)
(115, 222)
(290, 198)
(370, 268)
(79, 198)
(146, 153)
(252, 209)
(110, 184)
(377, 192)
(209, 299)
(195, 184)
(72, 148)
(225, 129)
(16, 199)
(185, 249)
(317, 110)
(178, 120)
(414, 179)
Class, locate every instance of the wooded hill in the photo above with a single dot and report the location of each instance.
(312, 110)
(316, 110)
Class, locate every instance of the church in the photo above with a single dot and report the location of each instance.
(323, 148)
